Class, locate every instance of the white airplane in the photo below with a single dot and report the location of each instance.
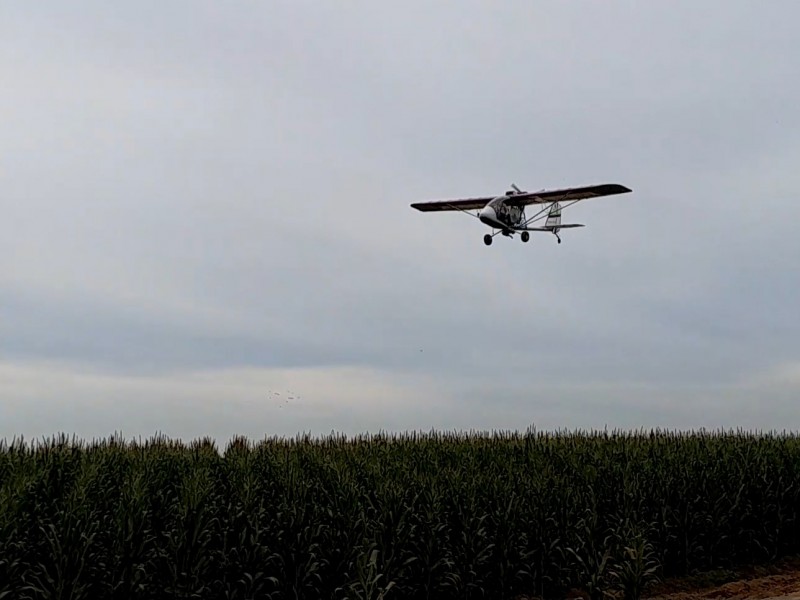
(506, 213)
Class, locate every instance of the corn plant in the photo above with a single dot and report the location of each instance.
(417, 516)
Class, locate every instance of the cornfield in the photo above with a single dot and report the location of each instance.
(439, 515)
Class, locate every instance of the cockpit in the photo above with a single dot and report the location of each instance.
(494, 202)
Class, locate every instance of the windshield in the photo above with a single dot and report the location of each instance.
(496, 201)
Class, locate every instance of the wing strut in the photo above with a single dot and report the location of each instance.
(464, 210)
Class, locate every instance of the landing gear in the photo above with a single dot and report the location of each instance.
(558, 238)
(525, 236)
(487, 239)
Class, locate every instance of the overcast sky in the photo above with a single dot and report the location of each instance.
(206, 226)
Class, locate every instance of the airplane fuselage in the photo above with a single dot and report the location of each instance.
(499, 215)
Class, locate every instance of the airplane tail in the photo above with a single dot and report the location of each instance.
(553, 223)
(554, 217)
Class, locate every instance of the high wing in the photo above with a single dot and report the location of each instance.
(457, 204)
(567, 194)
(525, 198)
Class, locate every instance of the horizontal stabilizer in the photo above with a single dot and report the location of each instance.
(551, 227)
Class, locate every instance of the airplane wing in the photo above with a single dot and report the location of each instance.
(568, 194)
(456, 204)
(524, 198)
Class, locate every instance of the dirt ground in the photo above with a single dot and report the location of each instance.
(779, 582)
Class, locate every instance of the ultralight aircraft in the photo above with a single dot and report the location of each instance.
(506, 213)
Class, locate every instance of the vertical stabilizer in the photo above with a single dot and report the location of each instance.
(554, 216)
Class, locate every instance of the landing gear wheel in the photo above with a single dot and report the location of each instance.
(559, 240)
(525, 236)
(487, 239)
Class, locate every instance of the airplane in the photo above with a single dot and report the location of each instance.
(506, 213)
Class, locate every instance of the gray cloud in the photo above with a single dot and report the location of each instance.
(197, 188)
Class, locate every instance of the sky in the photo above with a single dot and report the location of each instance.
(206, 225)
